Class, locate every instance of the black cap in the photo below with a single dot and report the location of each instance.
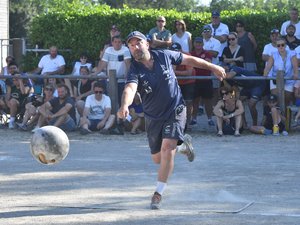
(198, 39)
(272, 98)
(136, 34)
(175, 47)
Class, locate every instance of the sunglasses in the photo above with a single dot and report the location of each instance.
(231, 39)
(224, 93)
(160, 21)
(280, 45)
(48, 89)
(206, 30)
(98, 92)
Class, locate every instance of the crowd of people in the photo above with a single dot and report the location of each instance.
(84, 103)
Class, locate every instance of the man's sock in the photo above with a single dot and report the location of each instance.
(160, 187)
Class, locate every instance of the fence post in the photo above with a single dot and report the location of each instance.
(18, 49)
(113, 90)
(280, 89)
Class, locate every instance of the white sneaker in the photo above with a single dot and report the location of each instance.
(35, 129)
(285, 133)
(187, 140)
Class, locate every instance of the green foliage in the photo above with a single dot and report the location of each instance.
(86, 27)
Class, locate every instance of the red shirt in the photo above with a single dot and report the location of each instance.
(206, 56)
(183, 68)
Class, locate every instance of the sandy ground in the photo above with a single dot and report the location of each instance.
(110, 179)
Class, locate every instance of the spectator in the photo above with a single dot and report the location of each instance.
(182, 37)
(52, 63)
(213, 46)
(229, 112)
(136, 115)
(286, 61)
(117, 57)
(97, 112)
(17, 90)
(82, 89)
(294, 19)
(297, 101)
(160, 36)
(273, 121)
(271, 47)
(203, 88)
(220, 30)
(247, 40)
(59, 111)
(187, 86)
(233, 54)
(114, 31)
(31, 114)
(8, 59)
(252, 90)
(290, 37)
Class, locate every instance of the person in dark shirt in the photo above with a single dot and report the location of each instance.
(152, 75)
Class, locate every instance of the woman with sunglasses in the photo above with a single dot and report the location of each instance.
(233, 54)
(229, 112)
(286, 61)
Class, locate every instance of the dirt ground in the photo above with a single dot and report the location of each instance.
(110, 179)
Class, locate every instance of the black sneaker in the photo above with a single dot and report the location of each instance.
(155, 201)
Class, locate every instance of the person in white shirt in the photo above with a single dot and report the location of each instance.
(52, 63)
(97, 112)
(117, 57)
(213, 46)
(294, 19)
(271, 47)
(220, 30)
(183, 37)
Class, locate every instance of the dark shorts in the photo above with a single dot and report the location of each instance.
(229, 128)
(69, 125)
(93, 124)
(173, 128)
(204, 89)
(187, 91)
(254, 93)
(269, 126)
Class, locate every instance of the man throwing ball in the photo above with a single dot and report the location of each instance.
(151, 74)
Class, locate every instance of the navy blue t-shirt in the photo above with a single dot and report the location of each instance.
(56, 106)
(158, 87)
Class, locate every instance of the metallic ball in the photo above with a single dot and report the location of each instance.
(49, 145)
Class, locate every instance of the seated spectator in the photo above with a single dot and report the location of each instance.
(50, 64)
(297, 101)
(187, 86)
(273, 120)
(252, 90)
(233, 54)
(203, 88)
(59, 111)
(229, 112)
(97, 112)
(182, 36)
(31, 114)
(82, 89)
(290, 37)
(286, 61)
(247, 40)
(136, 119)
(18, 89)
(4, 71)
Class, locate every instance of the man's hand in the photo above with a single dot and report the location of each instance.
(123, 112)
(219, 72)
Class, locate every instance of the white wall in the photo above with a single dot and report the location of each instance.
(4, 29)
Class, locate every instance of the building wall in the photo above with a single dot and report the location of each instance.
(4, 30)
